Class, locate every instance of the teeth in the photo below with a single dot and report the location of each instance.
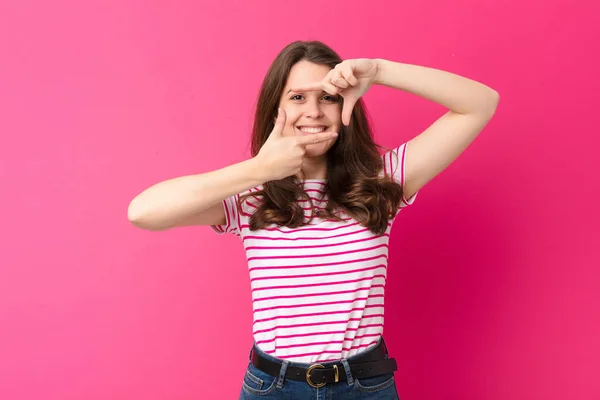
(312, 130)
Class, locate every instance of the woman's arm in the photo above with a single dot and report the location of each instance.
(193, 199)
(472, 105)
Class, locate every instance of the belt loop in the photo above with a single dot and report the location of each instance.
(282, 371)
(348, 372)
(385, 349)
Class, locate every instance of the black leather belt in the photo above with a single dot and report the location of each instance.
(373, 362)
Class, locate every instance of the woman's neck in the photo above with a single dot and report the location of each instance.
(314, 169)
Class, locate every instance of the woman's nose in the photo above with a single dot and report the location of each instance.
(313, 110)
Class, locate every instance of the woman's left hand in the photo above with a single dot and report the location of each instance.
(350, 79)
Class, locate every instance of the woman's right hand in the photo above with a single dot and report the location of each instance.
(282, 156)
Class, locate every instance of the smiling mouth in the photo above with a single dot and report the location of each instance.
(308, 130)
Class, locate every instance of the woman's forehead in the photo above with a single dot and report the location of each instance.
(305, 72)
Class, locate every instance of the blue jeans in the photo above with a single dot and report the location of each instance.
(260, 385)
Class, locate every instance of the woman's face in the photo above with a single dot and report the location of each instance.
(310, 112)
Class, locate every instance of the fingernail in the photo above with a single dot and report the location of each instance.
(335, 134)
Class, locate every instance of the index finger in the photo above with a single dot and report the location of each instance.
(280, 121)
(316, 138)
(308, 88)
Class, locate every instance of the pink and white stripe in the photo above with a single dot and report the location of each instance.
(317, 290)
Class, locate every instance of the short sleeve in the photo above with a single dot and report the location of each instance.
(393, 165)
(232, 224)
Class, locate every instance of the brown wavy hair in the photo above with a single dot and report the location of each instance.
(353, 161)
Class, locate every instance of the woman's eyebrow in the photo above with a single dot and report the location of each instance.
(322, 91)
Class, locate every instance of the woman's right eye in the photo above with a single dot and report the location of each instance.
(294, 97)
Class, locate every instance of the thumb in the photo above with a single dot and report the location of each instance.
(279, 122)
(349, 103)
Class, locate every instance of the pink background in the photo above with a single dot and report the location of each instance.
(494, 281)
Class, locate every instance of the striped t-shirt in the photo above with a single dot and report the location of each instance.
(317, 290)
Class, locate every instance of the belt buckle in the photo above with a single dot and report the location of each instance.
(315, 385)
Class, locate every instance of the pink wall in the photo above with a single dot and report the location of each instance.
(494, 279)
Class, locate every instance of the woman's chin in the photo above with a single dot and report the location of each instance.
(315, 150)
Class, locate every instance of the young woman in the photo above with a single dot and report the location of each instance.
(314, 207)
